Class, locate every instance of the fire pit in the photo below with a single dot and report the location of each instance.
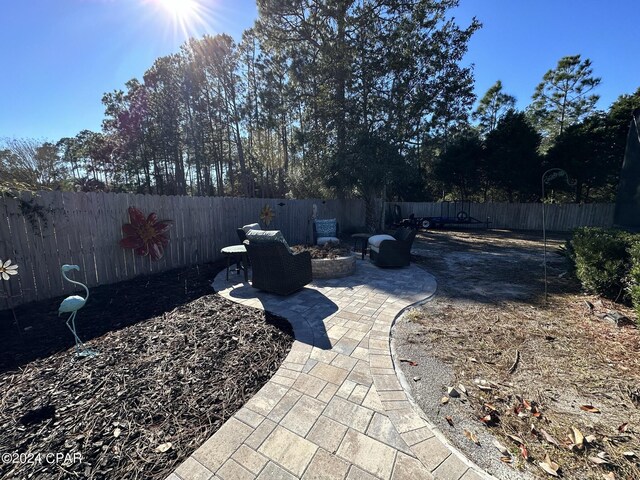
(330, 260)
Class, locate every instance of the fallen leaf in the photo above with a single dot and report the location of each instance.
(462, 389)
(526, 404)
(501, 448)
(524, 452)
(486, 419)
(485, 388)
(410, 362)
(599, 461)
(516, 438)
(623, 428)
(116, 432)
(164, 447)
(491, 407)
(472, 359)
(472, 436)
(534, 430)
(589, 408)
(549, 466)
(449, 420)
(444, 400)
(506, 459)
(576, 437)
(549, 438)
(609, 476)
(590, 439)
(629, 454)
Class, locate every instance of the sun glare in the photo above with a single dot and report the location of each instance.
(183, 10)
(188, 18)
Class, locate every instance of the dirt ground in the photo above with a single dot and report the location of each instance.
(554, 383)
(175, 360)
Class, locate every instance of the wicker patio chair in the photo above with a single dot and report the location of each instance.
(275, 269)
(242, 231)
(392, 251)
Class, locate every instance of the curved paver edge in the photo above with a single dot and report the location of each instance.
(416, 435)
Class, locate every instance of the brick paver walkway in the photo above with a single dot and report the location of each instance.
(336, 408)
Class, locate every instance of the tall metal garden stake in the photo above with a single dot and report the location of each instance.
(71, 305)
(553, 174)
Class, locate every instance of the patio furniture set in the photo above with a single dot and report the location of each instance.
(276, 269)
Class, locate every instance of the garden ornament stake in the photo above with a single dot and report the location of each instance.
(71, 305)
(548, 176)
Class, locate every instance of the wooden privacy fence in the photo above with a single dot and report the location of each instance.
(40, 232)
(517, 216)
(43, 231)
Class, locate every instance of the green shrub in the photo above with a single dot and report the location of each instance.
(634, 277)
(602, 260)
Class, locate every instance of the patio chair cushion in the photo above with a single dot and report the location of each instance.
(251, 226)
(326, 228)
(322, 240)
(266, 236)
(376, 240)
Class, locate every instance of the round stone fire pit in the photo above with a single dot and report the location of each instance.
(329, 261)
(333, 267)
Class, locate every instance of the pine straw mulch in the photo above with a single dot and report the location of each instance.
(161, 385)
(556, 383)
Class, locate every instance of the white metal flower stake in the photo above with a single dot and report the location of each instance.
(7, 270)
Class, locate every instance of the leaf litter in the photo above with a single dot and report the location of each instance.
(573, 381)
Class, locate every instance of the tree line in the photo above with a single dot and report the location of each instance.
(339, 98)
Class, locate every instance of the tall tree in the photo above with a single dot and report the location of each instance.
(386, 67)
(513, 164)
(492, 106)
(592, 151)
(564, 97)
(460, 167)
(29, 163)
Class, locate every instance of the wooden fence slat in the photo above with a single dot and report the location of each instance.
(20, 253)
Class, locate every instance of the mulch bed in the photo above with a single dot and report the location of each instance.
(175, 361)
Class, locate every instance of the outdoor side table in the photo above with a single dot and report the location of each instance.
(237, 254)
(363, 238)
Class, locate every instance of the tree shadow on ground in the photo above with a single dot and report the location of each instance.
(491, 266)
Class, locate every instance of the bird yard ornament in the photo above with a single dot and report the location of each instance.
(71, 305)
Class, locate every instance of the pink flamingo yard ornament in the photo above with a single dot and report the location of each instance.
(71, 305)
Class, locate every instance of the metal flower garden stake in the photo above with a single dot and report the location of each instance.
(548, 176)
(267, 214)
(8, 270)
(71, 305)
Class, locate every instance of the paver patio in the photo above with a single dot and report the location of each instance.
(336, 408)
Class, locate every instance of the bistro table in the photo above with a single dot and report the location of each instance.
(363, 238)
(238, 255)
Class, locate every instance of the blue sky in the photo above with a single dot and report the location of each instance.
(60, 56)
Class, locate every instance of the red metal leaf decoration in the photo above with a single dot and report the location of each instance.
(146, 235)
